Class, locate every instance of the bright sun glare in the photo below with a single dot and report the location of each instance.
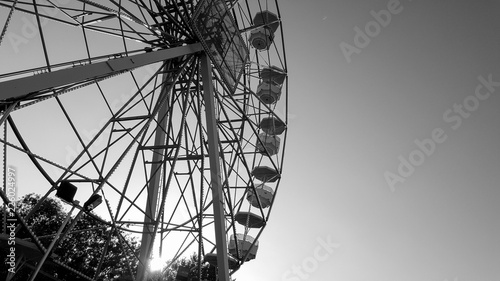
(156, 264)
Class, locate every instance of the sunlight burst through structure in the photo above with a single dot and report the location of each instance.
(157, 263)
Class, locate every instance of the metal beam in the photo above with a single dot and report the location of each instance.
(18, 88)
(215, 176)
(53, 243)
(148, 235)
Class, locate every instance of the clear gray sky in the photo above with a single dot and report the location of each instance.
(351, 122)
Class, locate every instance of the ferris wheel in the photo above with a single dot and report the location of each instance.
(162, 120)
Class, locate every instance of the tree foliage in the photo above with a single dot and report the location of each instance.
(169, 273)
(81, 249)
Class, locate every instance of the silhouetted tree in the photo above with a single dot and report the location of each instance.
(208, 272)
(81, 248)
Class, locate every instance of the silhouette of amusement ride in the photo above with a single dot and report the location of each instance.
(168, 119)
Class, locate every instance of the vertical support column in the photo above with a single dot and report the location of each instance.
(148, 234)
(215, 178)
